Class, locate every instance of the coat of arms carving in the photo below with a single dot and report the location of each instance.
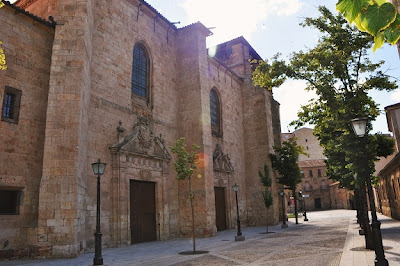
(141, 141)
(145, 135)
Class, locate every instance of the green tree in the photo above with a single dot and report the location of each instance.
(266, 180)
(2, 55)
(285, 162)
(185, 165)
(269, 75)
(339, 71)
(377, 17)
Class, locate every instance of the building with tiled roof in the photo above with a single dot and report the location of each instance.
(319, 191)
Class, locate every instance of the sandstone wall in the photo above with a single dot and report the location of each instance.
(28, 56)
(304, 137)
(120, 28)
(389, 189)
(63, 203)
(229, 87)
(91, 113)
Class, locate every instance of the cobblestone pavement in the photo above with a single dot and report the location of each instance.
(326, 239)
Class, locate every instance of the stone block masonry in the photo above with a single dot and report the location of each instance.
(83, 108)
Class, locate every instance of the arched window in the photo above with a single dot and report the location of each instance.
(215, 112)
(140, 71)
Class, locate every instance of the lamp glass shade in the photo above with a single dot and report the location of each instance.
(359, 126)
(235, 187)
(98, 167)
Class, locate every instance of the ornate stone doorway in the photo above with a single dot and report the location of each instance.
(142, 211)
(140, 206)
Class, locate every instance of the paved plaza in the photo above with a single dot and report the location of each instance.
(328, 238)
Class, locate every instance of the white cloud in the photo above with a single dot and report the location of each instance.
(395, 96)
(291, 95)
(285, 7)
(233, 18)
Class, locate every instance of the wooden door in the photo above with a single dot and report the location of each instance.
(220, 210)
(317, 203)
(143, 211)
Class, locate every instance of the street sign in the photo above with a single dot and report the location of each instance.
(306, 195)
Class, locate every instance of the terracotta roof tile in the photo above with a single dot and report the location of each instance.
(311, 163)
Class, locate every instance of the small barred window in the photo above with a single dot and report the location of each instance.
(11, 104)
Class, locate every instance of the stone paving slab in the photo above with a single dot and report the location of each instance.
(391, 241)
(327, 239)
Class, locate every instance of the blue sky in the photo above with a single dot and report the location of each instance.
(272, 26)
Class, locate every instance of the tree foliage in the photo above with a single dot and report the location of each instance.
(341, 74)
(266, 180)
(186, 160)
(377, 17)
(384, 145)
(2, 55)
(285, 162)
(269, 75)
(185, 165)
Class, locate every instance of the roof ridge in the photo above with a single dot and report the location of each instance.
(198, 24)
(159, 14)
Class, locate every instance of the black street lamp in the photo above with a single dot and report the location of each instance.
(359, 126)
(304, 206)
(239, 236)
(98, 169)
(282, 193)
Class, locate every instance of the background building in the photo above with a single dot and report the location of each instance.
(388, 190)
(116, 80)
(387, 193)
(319, 191)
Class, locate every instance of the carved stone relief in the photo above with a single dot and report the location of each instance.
(141, 141)
(145, 135)
(221, 178)
(145, 175)
(221, 161)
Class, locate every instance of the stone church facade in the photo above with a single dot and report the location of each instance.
(116, 80)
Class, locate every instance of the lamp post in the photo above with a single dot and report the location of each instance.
(239, 236)
(359, 126)
(282, 193)
(304, 206)
(98, 169)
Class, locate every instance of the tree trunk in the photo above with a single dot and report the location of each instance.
(295, 206)
(369, 241)
(192, 207)
(357, 204)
